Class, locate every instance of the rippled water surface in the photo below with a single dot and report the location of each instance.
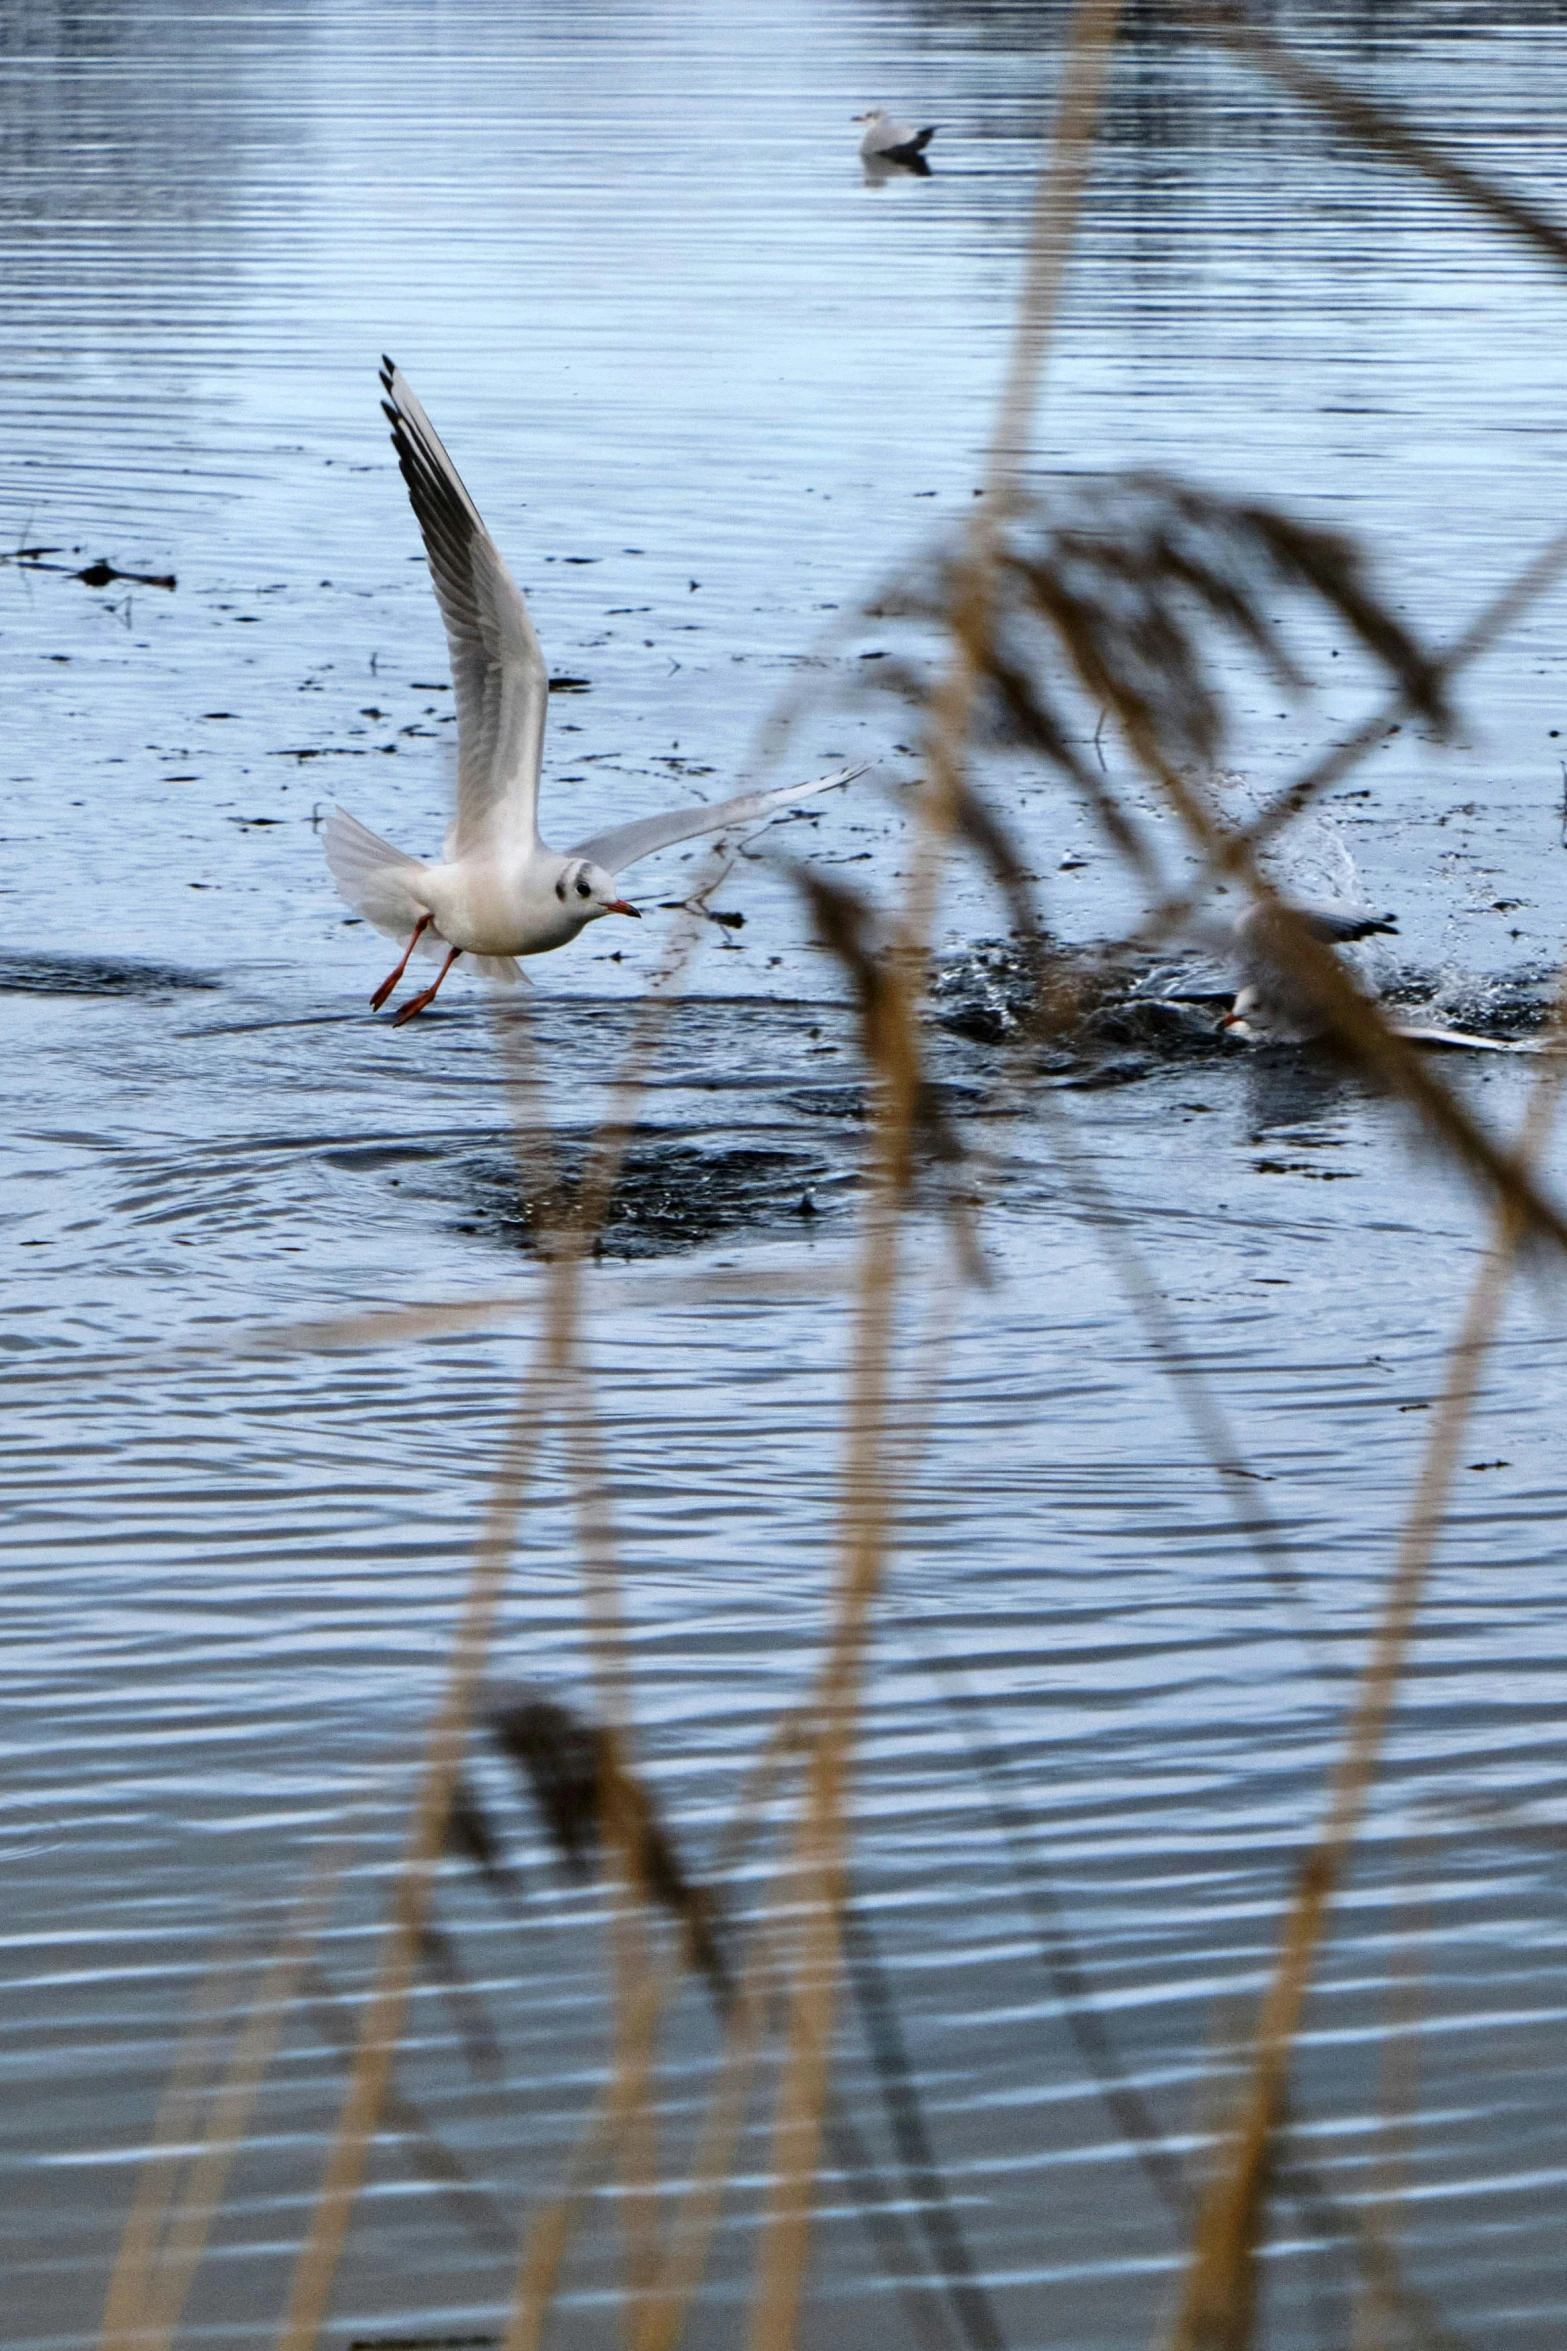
(709, 387)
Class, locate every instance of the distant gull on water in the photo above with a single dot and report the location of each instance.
(498, 891)
(884, 141)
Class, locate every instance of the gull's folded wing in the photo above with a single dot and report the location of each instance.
(497, 669)
(623, 844)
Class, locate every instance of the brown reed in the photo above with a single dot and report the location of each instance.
(1112, 597)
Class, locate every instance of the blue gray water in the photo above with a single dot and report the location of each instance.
(710, 388)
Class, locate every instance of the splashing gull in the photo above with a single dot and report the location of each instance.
(1271, 1007)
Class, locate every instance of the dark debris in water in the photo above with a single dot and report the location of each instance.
(669, 1196)
(103, 574)
(422, 2342)
(95, 975)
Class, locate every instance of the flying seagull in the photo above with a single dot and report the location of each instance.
(499, 891)
(886, 141)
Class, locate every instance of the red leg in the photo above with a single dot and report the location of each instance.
(418, 1003)
(386, 987)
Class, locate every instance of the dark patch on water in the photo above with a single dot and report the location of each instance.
(95, 975)
(1097, 1001)
(852, 1105)
(669, 1196)
(1173, 1029)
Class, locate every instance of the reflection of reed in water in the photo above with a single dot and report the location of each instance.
(1107, 600)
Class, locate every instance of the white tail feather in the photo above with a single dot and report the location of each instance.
(377, 880)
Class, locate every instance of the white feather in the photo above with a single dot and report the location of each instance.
(378, 881)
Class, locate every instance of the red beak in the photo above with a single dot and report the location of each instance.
(623, 906)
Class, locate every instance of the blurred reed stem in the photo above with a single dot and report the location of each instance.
(1218, 2303)
(445, 1742)
(820, 1851)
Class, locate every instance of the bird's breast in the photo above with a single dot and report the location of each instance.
(488, 907)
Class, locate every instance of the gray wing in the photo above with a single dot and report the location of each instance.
(497, 669)
(624, 844)
(1335, 929)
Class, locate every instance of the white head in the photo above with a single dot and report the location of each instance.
(589, 891)
(871, 114)
(1258, 1018)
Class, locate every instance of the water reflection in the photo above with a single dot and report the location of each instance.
(1291, 1086)
(879, 169)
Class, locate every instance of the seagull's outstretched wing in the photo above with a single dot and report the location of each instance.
(497, 668)
(623, 844)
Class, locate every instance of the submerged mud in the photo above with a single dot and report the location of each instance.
(95, 975)
(668, 1195)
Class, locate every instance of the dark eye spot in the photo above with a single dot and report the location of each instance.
(583, 890)
(560, 889)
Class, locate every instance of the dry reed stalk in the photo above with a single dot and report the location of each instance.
(1194, 1393)
(479, 2212)
(689, 2239)
(638, 2006)
(1353, 1019)
(234, 2100)
(549, 2239)
(550, 2232)
(819, 1850)
(391, 1326)
(1217, 2308)
(126, 2312)
(1171, 914)
(1398, 2080)
(381, 2028)
(580, 1786)
(819, 1860)
(1372, 126)
(395, 1326)
(637, 1985)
